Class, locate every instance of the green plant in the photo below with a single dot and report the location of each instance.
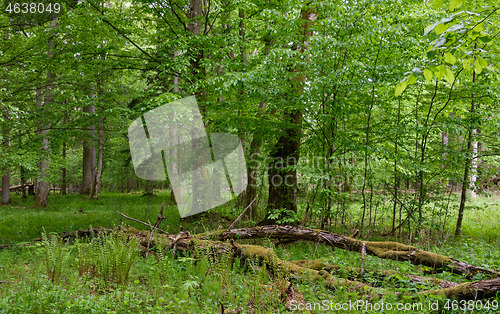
(284, 216)
(55, 256)
(107, 256)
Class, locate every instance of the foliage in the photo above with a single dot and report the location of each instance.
(108, 257)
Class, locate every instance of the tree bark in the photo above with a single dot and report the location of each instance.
(5, 174)
(253, 173)
(100, 154)
(89, 155)
(42, 190)
(282, 174)
(387, 250)
(23, 182)
(64, 177)
(477, 290)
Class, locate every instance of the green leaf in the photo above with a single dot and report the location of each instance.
(441, 28)
(428, 75)
(451, 59)
(449, 75)
(400, 88)
(466, 63)
(482, 62)
(478, 28)
(440, 71)
(478, 67)
(438, 3)
(412, 79)
(455, 4)
(485, 39)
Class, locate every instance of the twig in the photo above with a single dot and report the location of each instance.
(234, 222)
(160, 219)
(142, 222)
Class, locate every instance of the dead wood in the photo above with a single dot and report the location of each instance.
(313, 271)
(476, 290)
(388, 250)
(354, 273)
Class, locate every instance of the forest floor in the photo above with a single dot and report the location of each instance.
(58, 277)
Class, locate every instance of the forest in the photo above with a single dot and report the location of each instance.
(250, 156)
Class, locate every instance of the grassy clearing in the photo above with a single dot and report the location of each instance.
(107, 275)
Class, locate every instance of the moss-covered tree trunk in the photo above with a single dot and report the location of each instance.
(388, 250)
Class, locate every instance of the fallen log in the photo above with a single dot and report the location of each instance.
(310, 271)
(477, 290)
(471, 290)
(387, 250)
(278, 267)
(354, 273)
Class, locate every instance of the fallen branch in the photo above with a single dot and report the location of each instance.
(142, 222)
(241, 215)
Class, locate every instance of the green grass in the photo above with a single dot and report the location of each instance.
(81, 277)
(19, 222)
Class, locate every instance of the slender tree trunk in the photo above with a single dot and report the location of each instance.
(6, 175)
(255, 146)
(396, 178)
(173, 151)
(100, 153)
(23, 182)
(367, 160)
(64, 176)
(473, 167)
(468, 162)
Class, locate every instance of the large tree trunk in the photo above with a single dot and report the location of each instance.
(42, 190)
(282, 173)
(42, 185)
(198, 74)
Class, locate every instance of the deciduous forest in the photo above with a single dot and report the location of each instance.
(369, 133)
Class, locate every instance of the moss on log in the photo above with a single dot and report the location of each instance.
(387, 250)
(476, 290)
